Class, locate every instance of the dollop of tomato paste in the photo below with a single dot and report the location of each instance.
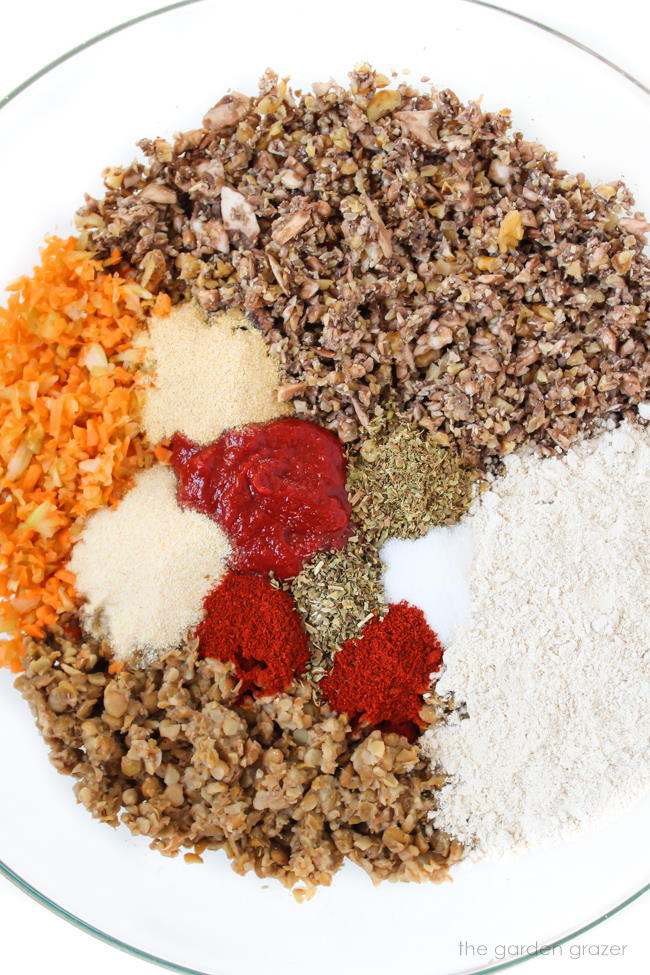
(277, 489)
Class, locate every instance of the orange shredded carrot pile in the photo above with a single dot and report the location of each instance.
(69, 436)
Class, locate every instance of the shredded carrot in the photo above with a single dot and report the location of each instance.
(70, 441)
(162, 306)
(162, 453)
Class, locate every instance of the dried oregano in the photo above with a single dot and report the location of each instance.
(336, 594)
(400, 485)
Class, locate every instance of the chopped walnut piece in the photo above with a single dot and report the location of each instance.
(383, 234)
(511, 231)
(421, 125)
(499, 172)
(382, 103)
(286, 228)
(228, 112)
(638, 227)
(159, 193)
(238, 215)
(289, 391)
(113, 177)
(154, 270)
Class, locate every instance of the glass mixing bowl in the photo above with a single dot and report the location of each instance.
(157, 75)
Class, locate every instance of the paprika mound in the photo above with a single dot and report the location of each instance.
(379, 677)
(256, 627)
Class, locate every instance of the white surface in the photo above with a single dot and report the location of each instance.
(432, 573)
(32, 940)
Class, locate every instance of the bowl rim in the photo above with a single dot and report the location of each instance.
(129, 949)
(67, 55)
(5, 869)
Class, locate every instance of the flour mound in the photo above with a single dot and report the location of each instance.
(553, 664)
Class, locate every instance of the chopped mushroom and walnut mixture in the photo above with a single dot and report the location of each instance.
(394, 245)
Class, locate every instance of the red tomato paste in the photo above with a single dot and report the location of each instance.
(278, 490)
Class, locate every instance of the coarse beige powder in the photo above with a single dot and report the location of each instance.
(207, 375)
(552, 664)
(146, 566)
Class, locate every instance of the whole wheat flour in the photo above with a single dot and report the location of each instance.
(553, 665)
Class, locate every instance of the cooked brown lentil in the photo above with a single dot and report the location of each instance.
(282, 785)
(398, 245)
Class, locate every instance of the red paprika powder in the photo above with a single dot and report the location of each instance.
(379, 677)
(255, 626)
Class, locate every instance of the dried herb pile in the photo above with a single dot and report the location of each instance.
(400, 484)
(336, 594)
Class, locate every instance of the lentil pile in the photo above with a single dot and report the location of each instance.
(397, 246)
(282, 785)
